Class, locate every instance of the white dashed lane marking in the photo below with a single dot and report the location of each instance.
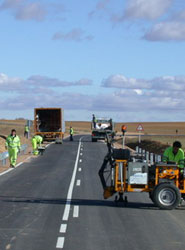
(78, 182)
(60, 242)
(76, 212)
(63, 228)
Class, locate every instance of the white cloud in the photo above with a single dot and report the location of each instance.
(159, 83)
(75, 34)
(142, 10)
(150, 9)
(165, 96)
(24, 10)
(42, 83)
(38, 80)
(32, 11)
(166, 31)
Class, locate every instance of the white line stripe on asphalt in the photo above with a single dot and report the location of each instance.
(20, 163)
(80, 160)
(5, 172)
(81, 154)
(79, 169)
(76, 212)
(60, 242)
(78, 182)
(63, 228)
(70, 191)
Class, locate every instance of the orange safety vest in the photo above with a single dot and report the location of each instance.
(123, 128)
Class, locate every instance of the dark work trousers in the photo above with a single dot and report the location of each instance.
(71, 137)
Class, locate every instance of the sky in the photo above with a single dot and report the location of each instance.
(123, 59)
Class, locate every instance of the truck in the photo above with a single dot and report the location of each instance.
(101, 127)
(49, 123)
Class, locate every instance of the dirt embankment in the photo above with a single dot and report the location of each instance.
(151, 146)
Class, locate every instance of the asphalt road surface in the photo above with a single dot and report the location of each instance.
(55, 202)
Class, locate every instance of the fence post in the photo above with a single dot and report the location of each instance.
(151, 158)
(147, 156)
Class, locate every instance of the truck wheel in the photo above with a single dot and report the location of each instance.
(94, 140)
(166, 196)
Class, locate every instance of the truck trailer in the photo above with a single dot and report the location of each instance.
(49, 123)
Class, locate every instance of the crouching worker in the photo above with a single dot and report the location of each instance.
(13, 145)
(36, 142)
(175, 154)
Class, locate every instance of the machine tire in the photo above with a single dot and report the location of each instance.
(151, 196)
(166, 196)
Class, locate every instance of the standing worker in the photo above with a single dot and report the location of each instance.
(26, 131)
(71, 133)
(123, 129)
(175, 154)
(36, 142)
(13, 145)
(94, 120)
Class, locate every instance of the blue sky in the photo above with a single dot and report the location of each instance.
(122, 59)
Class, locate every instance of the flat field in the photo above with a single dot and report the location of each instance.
(80, 127)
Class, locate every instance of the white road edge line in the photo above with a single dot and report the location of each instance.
(20, 163)
(70, 191)
(63, 228)
(5, 172)
(76, 212)
(60, 242)
(78, 182)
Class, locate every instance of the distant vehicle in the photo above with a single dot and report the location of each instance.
(101, 127)
(49, 123)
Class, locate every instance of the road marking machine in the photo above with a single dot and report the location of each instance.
(163, 181)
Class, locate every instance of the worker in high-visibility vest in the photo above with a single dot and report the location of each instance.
(175, 154)
(124, 129)
(71, 131)
(26, 131)
(13, 145)
(36, 142)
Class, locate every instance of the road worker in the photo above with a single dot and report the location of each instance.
(36, 142)
(71, 131)
(94, 121)
(26, 131)
(174, 154)
(13, 145)
(123, 129)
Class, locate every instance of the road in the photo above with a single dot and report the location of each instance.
(55, 202)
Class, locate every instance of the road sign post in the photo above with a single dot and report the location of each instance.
(139, 129)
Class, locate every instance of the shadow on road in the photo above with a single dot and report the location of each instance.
(80, 202)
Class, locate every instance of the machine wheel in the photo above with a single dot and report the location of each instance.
(151, 196)
(166, 196)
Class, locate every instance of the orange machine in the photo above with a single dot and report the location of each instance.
(164, 182)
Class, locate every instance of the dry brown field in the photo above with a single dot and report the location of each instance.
(162, 128)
